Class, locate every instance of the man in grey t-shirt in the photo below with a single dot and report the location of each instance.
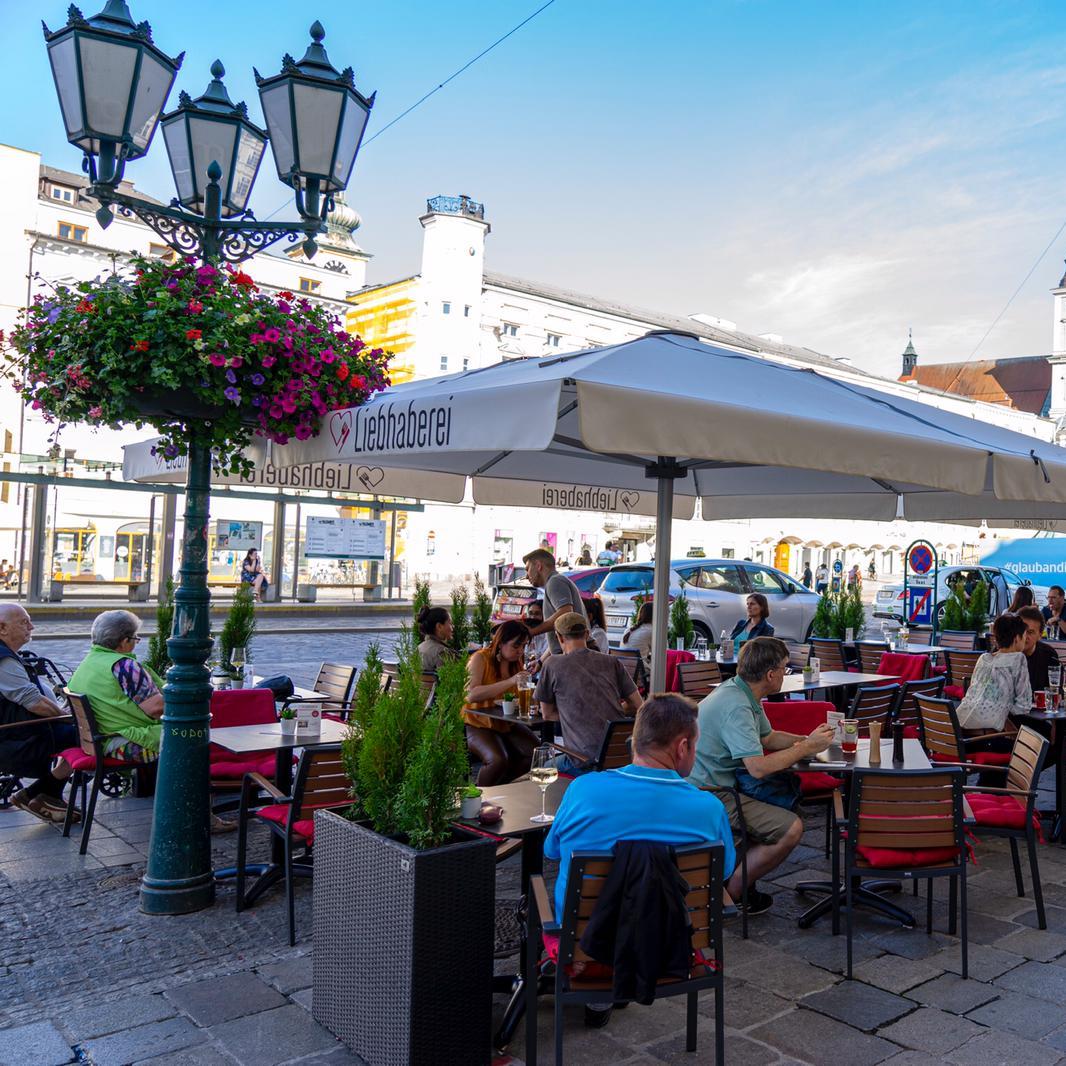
(583, 690)
(561, 595)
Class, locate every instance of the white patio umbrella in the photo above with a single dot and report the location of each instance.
(666, 418)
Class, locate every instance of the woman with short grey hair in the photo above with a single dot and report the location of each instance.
(113, 628)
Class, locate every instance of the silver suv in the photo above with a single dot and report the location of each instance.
(716, 590)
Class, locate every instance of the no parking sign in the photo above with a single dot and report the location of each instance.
(920, 584)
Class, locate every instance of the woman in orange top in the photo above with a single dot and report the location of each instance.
(503, 748)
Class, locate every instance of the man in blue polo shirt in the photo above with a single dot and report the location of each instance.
(647, 800)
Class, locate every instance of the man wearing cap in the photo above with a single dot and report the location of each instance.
(583, 690)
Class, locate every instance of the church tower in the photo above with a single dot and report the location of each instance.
(910, 357)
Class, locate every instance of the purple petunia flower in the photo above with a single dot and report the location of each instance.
(53, 314)
(231, 377)
(232, 394)
(258, 379)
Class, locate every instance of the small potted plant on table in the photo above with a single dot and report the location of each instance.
(470, 801)
(287, 716)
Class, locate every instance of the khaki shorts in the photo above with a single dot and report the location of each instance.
(765, 822)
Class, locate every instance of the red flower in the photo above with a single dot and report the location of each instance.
(240, 278)
(86, 307)
(285, 295)
(139, 346)
(195, 306)
(193, 334)
(343, 371)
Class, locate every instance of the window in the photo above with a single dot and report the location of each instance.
(59, 193)
(510, 329)
(729, 553)
(690, 576)
(466, 310)
(443, 363)
(446, 307)
(69, 232)
(309, 285)
(553, 340)
(466, 363)
(720, 579)
(764, 581)
(637, 579)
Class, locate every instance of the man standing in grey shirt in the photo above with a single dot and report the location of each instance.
(561, 595)
(583, 690)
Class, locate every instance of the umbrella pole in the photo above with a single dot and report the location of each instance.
(664, 471)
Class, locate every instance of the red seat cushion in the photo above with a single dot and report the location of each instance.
(999, 812)
(905, 667)
(593, 970)
(278, 813)
(937, 756)
(911, 732)
(80, 761)
(236, 766)
(815, 783)
(989, 758)
(907, 858)
(954, 692)
(797, 716)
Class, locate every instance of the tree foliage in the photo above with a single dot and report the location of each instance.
(158, 657)
(239, 627)
(460, 618)
(481, 619)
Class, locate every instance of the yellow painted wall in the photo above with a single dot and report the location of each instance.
(384, 318)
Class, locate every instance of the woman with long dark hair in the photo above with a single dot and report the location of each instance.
(435, 625)
(1023, 597)
(252, 574)
(503, 748)
(597, 623)
(638, 635)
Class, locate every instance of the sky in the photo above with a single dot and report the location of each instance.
(831, 172)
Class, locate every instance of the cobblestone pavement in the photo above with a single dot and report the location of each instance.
(86, 977)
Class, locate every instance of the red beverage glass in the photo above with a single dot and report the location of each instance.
(1040, 699)
(850, 742)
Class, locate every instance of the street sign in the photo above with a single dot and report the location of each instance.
(919, 606)
(344, 538)
(920, 581)
(838, 567)
(920, 559)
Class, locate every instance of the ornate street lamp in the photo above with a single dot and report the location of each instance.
(113, 83)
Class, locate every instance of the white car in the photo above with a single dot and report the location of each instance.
(1002, 583)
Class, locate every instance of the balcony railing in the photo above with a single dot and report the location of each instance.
(456, 205)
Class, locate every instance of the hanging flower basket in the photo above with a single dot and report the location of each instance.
(190, 348)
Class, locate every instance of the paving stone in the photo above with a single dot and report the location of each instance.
(40, 1044)
(828, 952)
(951, 993)
(911, 943)
(1042, 979)
(46, 868)
(810, 1037)
(288, 975)
(117, 1015)
(913, 1058)
(1056, 917)
(145, 1041)
(785, 976)
(932, 1030)
(1057, 1039)
(222, 998)
(273, 1036)
(303, 998)
(1040, 944)
(1003, 1049)
(746, 1004)
(193, 1056)
(895, 973)
(862, 1006)
(739, 1051)
(985, 963)
(1015, 1013)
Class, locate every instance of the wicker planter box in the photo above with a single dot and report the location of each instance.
(403, 948)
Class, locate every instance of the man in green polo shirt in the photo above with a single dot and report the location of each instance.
(736, 735)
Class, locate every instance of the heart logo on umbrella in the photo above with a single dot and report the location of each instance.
(371, 476)
(340, 427)
(629, 499)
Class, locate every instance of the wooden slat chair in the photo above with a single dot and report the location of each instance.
(1011, 811)
(959, 639)
(87, 761)
(829, 653)
(919, 636)
(942, 737)
(633, 663)
(873, 703)
(698, 679)
(906, 710)
(701, 867)
(907, 825)
(320, 784)
(961, 665)
(870, 652)
(616, 747)
(798, 655)
(335, 680)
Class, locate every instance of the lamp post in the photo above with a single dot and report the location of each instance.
(113, 82)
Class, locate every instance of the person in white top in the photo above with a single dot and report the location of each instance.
(638, 636)
(597, 624)
(1000, 683)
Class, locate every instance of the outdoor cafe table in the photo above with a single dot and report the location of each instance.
(268, 737)
(832, 760)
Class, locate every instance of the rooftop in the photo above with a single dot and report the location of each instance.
(1023, 384)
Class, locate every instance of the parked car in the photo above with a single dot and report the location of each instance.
(716, 590)
(1003, 583)
(513, 598)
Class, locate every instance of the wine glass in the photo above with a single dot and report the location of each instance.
(543, 772)
(237, 658)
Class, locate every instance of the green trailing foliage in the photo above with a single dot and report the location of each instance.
(407, 763)
(481, 617)
(460, 608)
(680, 623)
(158, 657)
(239, 627)
(421, 598)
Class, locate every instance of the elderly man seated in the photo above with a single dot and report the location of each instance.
(126, 695)
(30, 740)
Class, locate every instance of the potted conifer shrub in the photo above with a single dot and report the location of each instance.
(404, 904)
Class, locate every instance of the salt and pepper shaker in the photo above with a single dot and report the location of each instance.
(897, 743)
(875, 744)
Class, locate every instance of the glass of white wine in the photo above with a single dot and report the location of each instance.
(237, 658)
(543, 772)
